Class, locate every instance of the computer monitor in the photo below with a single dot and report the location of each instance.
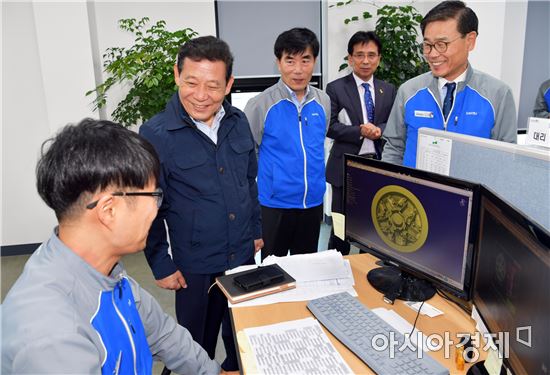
(421, 223)
(511, 283)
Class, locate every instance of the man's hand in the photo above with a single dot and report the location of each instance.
(258, 244)
(370, 131)
(173, 282)
(223, 372)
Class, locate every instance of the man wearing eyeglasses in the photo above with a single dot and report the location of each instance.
(208, 174)
(74, 310)
(359, 105)
(452, 96)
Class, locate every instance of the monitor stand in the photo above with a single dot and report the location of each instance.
(395, 283)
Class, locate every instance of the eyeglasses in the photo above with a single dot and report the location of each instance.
(361, 56)
(440, 46)
(157, 194)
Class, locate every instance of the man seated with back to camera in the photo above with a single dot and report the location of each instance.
(74, 309)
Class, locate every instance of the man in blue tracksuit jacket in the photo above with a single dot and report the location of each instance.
(452, 96)
(542, 103)
(289, 122)
(74, 310)
(208, 173)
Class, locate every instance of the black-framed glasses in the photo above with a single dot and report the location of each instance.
(361, 56)
(440, 46)
(158, 194)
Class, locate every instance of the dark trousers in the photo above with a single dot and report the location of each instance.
(293, 229)
(202, 313)
(338, 206)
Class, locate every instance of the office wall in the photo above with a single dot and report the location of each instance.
(48, 55)
(251, 28)
(536, 57)
(45, 65)
(501, 35)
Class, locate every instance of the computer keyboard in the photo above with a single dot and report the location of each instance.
(355, 326)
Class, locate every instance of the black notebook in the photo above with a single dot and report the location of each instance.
(258, 282)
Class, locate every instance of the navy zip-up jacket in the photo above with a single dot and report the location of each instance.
(210, 193)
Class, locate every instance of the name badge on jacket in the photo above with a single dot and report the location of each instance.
(423, 114)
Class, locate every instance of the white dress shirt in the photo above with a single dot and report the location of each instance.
(211, 131)
(368, 145)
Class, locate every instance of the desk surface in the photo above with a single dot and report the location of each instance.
(454, 320)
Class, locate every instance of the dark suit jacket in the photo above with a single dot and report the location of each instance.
(347, 139)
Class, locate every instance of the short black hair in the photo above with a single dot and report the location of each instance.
(364, 37)
(206, 48)
(90, 156)
(466, 18)
(296, 40)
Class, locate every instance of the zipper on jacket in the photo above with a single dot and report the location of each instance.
(305, 157)
(441, 109)
(121, 317)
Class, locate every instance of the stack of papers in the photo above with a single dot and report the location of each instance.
(317, 275)
(294, 347)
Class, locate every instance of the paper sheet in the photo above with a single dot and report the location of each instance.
(538, 132)
(401, 325)
(427, 309)
(367, 147)
(343, 117)
(434, 154)
(294, 347)
(339, 225)
(324, 265)
(493, 362)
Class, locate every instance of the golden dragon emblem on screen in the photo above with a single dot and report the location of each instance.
(399, 218)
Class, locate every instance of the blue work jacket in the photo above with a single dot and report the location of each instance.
(210, 194)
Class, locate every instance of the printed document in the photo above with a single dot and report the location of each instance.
(294, 347)
(434, 154)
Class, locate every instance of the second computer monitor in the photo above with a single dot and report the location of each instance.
(511, 284)
(420, 221)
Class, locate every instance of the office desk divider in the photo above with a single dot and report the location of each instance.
(518, 173)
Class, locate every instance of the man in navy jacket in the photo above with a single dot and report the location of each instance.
(208, 172)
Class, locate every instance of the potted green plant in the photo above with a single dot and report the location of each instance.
(146, 67)
(397, 27)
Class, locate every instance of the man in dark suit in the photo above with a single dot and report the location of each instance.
(360, 106)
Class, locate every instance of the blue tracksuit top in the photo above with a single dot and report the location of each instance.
(471, 114)
(291, 166)
(119, 325)
(483, 106)
(66, 317)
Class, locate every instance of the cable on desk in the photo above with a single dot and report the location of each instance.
(415, 319)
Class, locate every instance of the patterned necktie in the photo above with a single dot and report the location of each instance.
(448, 102)
(369, 104)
